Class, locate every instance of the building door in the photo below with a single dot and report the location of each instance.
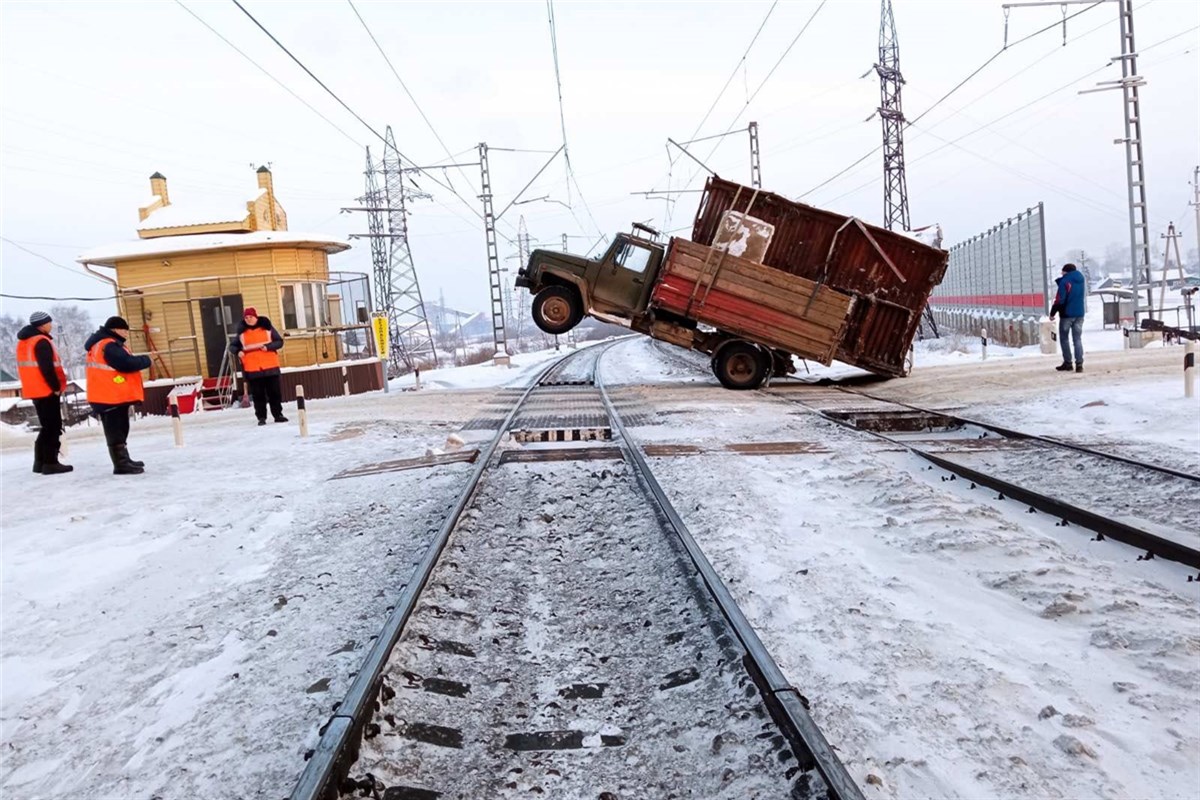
(219, 318)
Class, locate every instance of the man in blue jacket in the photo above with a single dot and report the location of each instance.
(1071, 304)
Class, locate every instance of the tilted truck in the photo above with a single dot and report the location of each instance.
(763, 279)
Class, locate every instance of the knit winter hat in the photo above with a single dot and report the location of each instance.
(250, 311)
(116, 323)
(39, 318)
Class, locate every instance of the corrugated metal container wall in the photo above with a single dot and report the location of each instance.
(807, 242)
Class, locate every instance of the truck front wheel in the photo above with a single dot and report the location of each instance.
(740, 365)
(557, 309)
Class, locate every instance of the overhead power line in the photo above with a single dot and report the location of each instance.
(51, 262)
(758, 89)
(60, 299)
(264, 71)
(948, 94)
(732, 74)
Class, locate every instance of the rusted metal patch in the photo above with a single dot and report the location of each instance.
(904, 421)
(673, 450)
(560, 454)
(776, 448)
(402, 464)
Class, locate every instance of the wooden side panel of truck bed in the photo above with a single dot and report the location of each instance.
(762, 304)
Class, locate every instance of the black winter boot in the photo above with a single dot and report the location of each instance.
(120, 458)
(1064, 367)
(55, 468)
(1079, 367)
(37, 459)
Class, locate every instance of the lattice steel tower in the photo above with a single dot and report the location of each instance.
(496, 288)
(412, 339)
(891, 114)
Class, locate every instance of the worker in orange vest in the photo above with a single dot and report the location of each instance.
(258, 345)
(114, 386)
(43, 382)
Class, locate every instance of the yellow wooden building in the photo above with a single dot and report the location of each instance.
(183, 283)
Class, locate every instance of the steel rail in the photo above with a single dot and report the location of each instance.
(1154, 544)
(782, 699)
(1106, 527)
(341, 737)
(1048, 440)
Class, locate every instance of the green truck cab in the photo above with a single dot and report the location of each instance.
(614, 287)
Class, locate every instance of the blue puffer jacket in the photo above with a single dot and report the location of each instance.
(1072, 294)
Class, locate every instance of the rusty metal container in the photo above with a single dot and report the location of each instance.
(890, 275)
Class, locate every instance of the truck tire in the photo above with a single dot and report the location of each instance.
(740, 365)
(557, 309)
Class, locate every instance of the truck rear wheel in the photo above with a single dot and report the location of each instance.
(557, 309)
(740, 365)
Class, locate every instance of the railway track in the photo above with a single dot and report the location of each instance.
(1147, 506)
(564, 636)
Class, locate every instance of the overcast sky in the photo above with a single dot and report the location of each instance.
(95, 96)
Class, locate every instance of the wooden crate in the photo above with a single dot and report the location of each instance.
(762, 304)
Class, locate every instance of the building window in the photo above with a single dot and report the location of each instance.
(289, 308)
(304, 305)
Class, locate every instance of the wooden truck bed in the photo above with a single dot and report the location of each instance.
(760, 303)
(889, 275)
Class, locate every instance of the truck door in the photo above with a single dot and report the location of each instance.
(621, 284)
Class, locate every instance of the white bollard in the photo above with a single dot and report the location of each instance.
(984, 340)
(1189, 368)
(176, 422)
(417, 373)
(302, 411)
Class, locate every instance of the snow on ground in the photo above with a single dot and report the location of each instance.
(523, 368)
(183, 633)
(952, 645)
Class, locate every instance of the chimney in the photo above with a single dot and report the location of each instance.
(265, 183)
(158, 186)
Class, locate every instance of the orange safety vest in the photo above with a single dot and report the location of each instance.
(33, 382)
(258, 360)
(108, 386)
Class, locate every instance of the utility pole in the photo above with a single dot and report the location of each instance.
(566, 250)
(891, 115)
(1172, 238)
(755, 163)
(1195, 205)
(499, 334)
(1135, 166)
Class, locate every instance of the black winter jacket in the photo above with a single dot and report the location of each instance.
(116, 357)
(43, 351)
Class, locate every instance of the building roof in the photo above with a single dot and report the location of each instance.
(182, 215)
(107, 255)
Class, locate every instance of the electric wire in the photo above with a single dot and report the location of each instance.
(264, 71)
(947, 95)
(52, 262)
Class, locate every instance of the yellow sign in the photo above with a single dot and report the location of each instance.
(380, 325)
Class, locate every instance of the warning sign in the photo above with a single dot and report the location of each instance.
(380, 326)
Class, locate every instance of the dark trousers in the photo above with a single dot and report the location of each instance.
(266, 390)
(49, 414)
(115, 421)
